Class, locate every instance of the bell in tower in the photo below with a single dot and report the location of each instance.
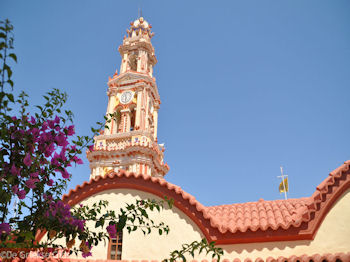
(130, 142)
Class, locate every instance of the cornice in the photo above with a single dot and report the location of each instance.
(135, 81)
(137, 148)
(125, 135)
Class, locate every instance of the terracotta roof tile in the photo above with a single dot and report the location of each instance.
(258, 215)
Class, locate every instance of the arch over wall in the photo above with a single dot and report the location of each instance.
(136, 245)
(303, 226)
(156, 186)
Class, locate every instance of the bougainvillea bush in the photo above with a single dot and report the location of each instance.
(36, 148)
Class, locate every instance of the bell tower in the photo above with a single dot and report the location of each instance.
(130, 142)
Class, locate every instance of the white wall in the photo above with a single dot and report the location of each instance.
(153, 246)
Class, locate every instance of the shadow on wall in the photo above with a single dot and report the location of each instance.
(135, 194)
(266, 246)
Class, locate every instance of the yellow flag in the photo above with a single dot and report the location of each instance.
(284, 188)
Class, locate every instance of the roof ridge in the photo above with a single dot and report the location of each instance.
(261, 200)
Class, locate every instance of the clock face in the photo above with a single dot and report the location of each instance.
(126, 97)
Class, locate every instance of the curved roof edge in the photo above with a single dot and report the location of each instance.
(304, 225)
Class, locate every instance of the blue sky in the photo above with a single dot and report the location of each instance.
(246, 86)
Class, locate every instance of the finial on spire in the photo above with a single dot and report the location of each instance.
(140, 12)
(140, 27)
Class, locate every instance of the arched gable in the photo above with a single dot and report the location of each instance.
(156, 186)
(262, 221)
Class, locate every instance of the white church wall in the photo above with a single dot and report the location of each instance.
(136, 246)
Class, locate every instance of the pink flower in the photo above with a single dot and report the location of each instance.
(50, 182)
(32, 120)
(27, 160)
(15, 189)
(70, 130)
(31, 149)
(91, 148)
(63, 154)
(51, 124)
(77, 160)
(31, 183)
(54, 160)
(61, 140)
(21, 194)
(34, 175)
(49, 149)
(5, 228)
(86, 254)
(44, 126)
(64, 173)
(47, 197)
(57, 120)
(112, 231)
(35, 132)
(15, 171)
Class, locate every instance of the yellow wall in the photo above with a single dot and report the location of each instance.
(135, 244)
(332, 236)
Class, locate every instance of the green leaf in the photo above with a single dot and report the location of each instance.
(121, 223)
(13, 56)
(143, 212)
(8, 69)
(10, 82)
(10, 97)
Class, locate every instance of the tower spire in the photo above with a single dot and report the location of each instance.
(130, 142)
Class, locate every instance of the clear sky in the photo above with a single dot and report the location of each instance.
(246, 86)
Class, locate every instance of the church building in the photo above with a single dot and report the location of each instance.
(127, 163)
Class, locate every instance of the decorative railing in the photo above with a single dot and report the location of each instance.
(125, 135)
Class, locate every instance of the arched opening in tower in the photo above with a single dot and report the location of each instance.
(133, 61)
(132, 118)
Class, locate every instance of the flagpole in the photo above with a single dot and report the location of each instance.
(284, 186)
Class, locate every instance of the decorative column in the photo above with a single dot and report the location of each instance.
(138, 110)
(125, 120)
(147, 98)
(155, 123)
(124, 63)
(110, 131)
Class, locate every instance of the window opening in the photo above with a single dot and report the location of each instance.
(115, 247)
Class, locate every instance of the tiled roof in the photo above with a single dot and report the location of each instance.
(338, 257)
(276, 214)
(259, 221)
(259, 215)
